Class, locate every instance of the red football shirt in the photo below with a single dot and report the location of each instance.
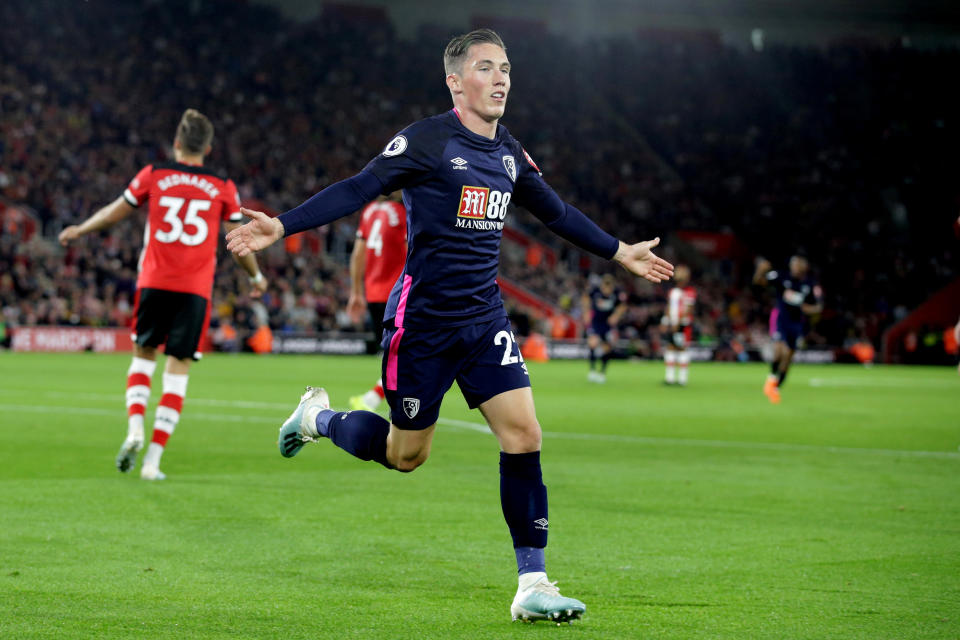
(187, 205)
(383, 226)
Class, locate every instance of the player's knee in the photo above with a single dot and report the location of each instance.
(409, 464)
(523, 437)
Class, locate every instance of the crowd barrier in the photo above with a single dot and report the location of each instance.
(65, 339)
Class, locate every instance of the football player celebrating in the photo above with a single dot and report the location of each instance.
(798, 296)
(445, 319)
(186, 202)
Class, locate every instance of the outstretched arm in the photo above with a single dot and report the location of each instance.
(573, 225)
(105, 218)
(763, 268)
(331, 204)
(639, 260)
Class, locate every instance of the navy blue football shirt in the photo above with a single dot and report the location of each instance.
(602, 305)
(457, 188)
(793, 293)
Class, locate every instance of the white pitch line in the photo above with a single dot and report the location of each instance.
(886, 383)
(715, 444)
(207, 402)
(477, 427)
(119, 413)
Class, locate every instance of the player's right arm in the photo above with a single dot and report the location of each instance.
(357, 304)
(586, 307)
(407, 157)
(760, 273)
(105, 218)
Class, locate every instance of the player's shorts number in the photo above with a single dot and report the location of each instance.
(506, 339)
(497, 207)
(177, 232)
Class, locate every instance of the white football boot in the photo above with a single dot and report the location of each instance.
(539, 599)
(127, 457)
(149, 472)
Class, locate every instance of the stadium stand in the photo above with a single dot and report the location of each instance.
(842, 152)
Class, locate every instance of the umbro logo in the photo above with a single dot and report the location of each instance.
(459, 163)
(541, 523)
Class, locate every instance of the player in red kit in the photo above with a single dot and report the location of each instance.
(187, 203)
(679, 321)
(375, 264)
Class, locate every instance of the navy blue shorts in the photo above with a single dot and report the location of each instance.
(420, 365)
(601, 329)
(788, 331)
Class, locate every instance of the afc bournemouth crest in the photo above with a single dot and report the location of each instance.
(511, 166)
(411, 406)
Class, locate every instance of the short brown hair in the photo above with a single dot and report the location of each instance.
(195, 132)
(456, 51)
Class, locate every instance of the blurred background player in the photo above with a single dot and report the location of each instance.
(956, 336)
(375, 265)
(603, 307)
(680, 303)
(175, 281)
(798, 296)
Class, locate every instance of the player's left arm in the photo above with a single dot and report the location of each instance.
(258, 282)
(357, 303)
(585, 307)
(618, 312)
(571, 224)
(816, 306)
(104, 218)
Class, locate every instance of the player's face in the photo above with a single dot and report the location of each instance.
(485, 80)
(798, 267)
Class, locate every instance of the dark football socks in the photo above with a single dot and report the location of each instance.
(523, 498)
(362, 434)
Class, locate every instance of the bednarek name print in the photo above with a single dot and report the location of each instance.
(192, 180)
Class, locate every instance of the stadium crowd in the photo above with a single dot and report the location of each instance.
(839, 153)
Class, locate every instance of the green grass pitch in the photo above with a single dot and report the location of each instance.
(702, 512)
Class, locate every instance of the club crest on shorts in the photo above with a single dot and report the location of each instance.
(411, 406)
(511, 166)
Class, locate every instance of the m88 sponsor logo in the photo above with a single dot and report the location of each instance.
(480, 203)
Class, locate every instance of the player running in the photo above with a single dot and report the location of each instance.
(604, 306)
(375, 265)
(679, 321)
(186, 204)
(445, 319)
(798, 296)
